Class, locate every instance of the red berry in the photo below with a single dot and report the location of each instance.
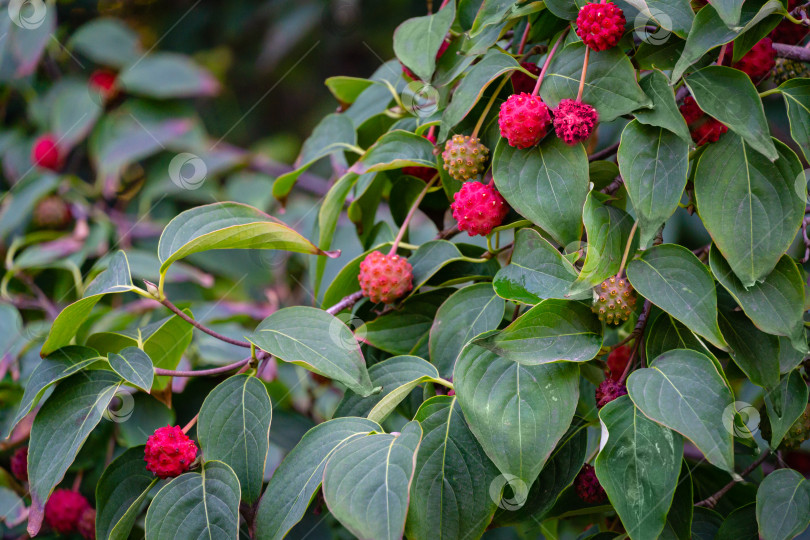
(617, 361)
(608, 390)
(87, 524)
(464, 157)
(103, 82)
(46, 153)
(445, 44)
(478, 208)
(574, 121)
(524, 120)
(521, 82)
(587, 486)
(425, 173)
(757, 63)
(169, 452)
(788, 32)
(600, 26)
(703, 128)
(63, 510)
(19, 464)
(384, 278)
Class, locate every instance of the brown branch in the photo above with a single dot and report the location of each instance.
(711, 502)
(792, 52)
(203, 372)
(345, 303)
(602, 154)
(806, 241)
(613, 187)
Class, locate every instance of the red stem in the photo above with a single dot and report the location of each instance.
(524, 38)
(584, 72)
(548, 61)
(202, 372)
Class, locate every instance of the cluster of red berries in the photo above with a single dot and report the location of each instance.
(600, 26)
(19, 464)
(169, 452)
(67, 511)
(587, 486)
(47, 154)
(703, 128)
(478, 208)
(384, 278)
(524, 120)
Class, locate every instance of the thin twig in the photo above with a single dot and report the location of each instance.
(345, 303)
(609, 151)
(584, 72)
(711, 502)
(203, 372)
(410, 215)
(548, 62)
(524, 38)
(792, 52)
(614, 186)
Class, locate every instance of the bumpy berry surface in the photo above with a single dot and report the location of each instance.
(411, 75)
(63, 510)
(103, 82)
(703, 128)
(790, 33)
(384, 278)
(464, 158)
(798, 432)
(617, 361)
(608, 390)
(787, 69)
(169, 452)
(425, 173)
(51, 213)
(524, 119)
(574, 121)
(757, 63)
(19, 464)
(46, 154)
(614, 300)
(478, 208)
(587, 486)
(87, 524)
(521, 82)
(600, 26)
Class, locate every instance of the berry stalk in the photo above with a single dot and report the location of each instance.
(584, 72)
(550, 55)
(410, 215)
(489, 107)
(627, 248)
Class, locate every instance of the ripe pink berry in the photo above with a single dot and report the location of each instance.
(478, 208)
(587, 486)
(63, 510)
(87, 524)
(756, 63)
(169, 452)
(19, 464)
(384, 278)
(521, 82)
(103, 82)
(574, 121)
(425, 173)
(411, 75)
(524, 120)
(703, 128)
(46, 154)
(608, 390)
(600, 26)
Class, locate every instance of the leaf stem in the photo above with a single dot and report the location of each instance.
(584, 72)
(547, 63)
(491, 102)
(411, 213)
(711, 501)
(345, 302)
(627, 248)
(203, 372)
(514, 225)
(770, 92)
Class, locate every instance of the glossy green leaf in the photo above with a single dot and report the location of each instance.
(431, 257)
(783, 505)
(728, 10)
(107, 41)
(654, 163)
(755, 352)
(167, 75)
(546, 184)
(785, 404)
(316, 340)
(638, 467)
(417, 40)
(295, 482)
(328, 215)
(202, 504)
(450, 491)
(665, 111)
(679, 518)
(517, 412)
(741, 524)
(684, 391)
(121, 494)
(797, 101)
(551, 331)
(394, 150)
(226, 226)
(367, 481)
(346, 89)
(134, 366)
(672, 278)
(74, 111)
(234, 426)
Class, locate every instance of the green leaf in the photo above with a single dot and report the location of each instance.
(610, 84)
(536, 272)
(565, 9)
(749, 205)
(234, 426)
(107, 41)
(346, 89)
(755, 352)
(167, 75)
(295, 482)
(431, 257)
(366, 482)
(741, 524)
(672, 278)
(59, 365)
(783, 505)
(134, 366)
(73, 112)
(316, 340)
(728, 10)
(226, 225)
(59, 431)
(551, 331)
(684, 391)
(196, 505)
(729, 96)
(797, 101)
(665, 112)
(517, 412)
(654, 163)
(398, 332)
(417, 40)
(494, 64)
(546, 184)
(776, 305)
(785, 404)
(679, 518)
(121, 494)
(450, 491)
(115, 279)
(467, 313)
(333, 134)
(328, 215)
(638, 467)
(394, 150)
